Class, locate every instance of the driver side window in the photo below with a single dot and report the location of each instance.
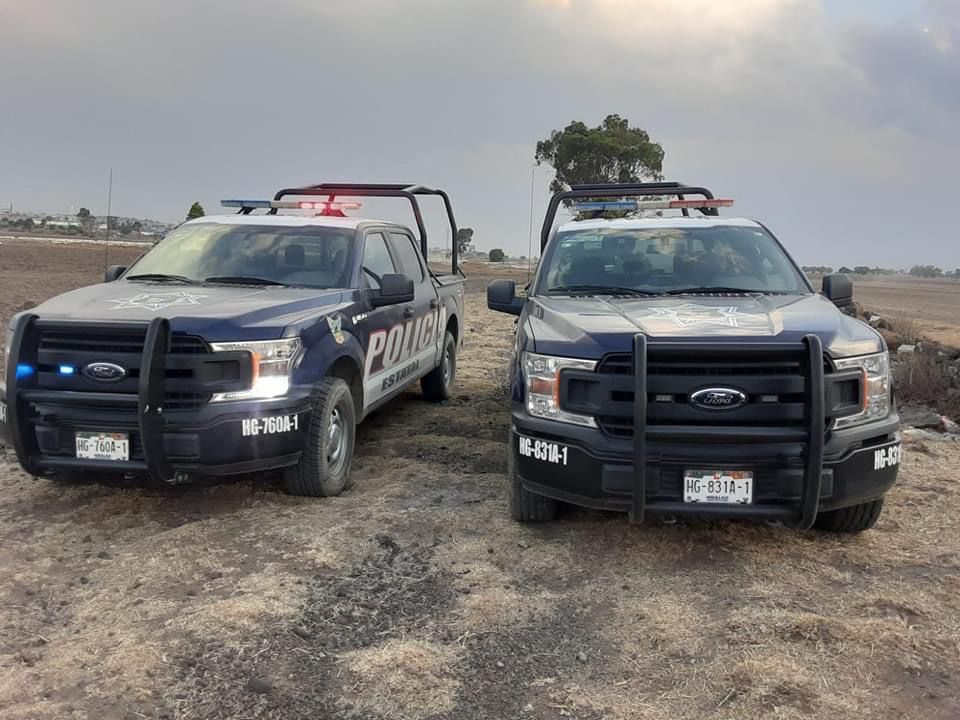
(376, 260)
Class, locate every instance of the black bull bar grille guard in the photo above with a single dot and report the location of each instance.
(806, 513)
(206, 373)
(794, 394)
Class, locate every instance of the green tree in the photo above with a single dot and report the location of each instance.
(926, 271)
(612, 152)
(497, 255)
(196, 211)
(464, 240)
(861, 270)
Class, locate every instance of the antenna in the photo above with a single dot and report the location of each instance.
(106, 244)
(533, 177)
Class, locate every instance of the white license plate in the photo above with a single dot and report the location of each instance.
(103, 446)
(728, 487)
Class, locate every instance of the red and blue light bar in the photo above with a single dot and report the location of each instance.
(326, 208)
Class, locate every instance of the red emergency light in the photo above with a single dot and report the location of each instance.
(328, 208)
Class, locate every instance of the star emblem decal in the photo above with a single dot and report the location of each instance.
(691, 314)
(157, 301)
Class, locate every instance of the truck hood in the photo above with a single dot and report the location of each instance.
(214, 312)
(592, 327)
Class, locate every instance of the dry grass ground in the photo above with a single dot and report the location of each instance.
(414, 596)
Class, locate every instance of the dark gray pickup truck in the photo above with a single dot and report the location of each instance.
(684, 365)
(239, 343)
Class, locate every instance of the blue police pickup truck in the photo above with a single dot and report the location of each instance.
(239, 343)
(684, 365)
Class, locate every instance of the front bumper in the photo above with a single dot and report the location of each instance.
(166, 444)
(593, 472)
(220, 439)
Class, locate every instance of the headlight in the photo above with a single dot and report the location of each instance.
(875, 401)
(273, 360)
(542, 377)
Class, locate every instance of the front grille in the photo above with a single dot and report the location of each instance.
(123, 346)
(103, 344)
(774, 383)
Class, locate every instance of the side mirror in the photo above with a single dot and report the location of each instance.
(394, 289)
(838, 289)
(502, 297)
(113, 272)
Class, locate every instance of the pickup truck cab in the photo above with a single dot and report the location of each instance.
(684, 365)
(239, 343)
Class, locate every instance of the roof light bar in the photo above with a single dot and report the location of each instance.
(329, 208)
(608, 205)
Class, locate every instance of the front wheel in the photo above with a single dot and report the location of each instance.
(324, 468)
(853, 519)
(525, 506)
(438, 383)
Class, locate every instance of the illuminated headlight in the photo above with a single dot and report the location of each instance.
(542, 377)
(875, 401)
(273, 361)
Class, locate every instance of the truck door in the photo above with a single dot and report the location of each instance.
(421, 316)
(381, 326)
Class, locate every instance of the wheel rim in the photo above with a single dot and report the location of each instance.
(447, 366)
(337, 441)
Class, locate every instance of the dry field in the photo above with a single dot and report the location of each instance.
(933, 305)
(414, 596)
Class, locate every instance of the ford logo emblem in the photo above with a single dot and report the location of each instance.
(104, 372)
(718, 399)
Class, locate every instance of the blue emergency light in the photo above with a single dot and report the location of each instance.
(247, 204)
(67, 370)
(605, 206)
(24, 371)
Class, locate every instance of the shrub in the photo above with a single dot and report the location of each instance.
(925, 378)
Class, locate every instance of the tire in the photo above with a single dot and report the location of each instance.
(525, 506)
(324, 468)
(437, 384)
(853, 519)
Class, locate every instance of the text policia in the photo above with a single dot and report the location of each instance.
(408, 340)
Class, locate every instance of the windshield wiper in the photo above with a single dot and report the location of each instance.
(723, 289)
(601, 290)
(160, 277)
(243, 280)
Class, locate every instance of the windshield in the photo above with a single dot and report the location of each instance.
(668, 259)
(307, 256)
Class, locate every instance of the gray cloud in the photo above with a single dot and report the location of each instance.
(835, 133)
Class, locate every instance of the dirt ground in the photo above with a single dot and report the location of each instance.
(413, 595)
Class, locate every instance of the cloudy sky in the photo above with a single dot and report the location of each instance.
(833, 121)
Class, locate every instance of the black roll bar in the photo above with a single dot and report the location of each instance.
(607, 190)
(407, 191)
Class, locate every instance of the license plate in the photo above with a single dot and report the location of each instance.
(103, 446)
(728, 487)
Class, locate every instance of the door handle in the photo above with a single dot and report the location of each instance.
(408, 312)
(434, 304)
